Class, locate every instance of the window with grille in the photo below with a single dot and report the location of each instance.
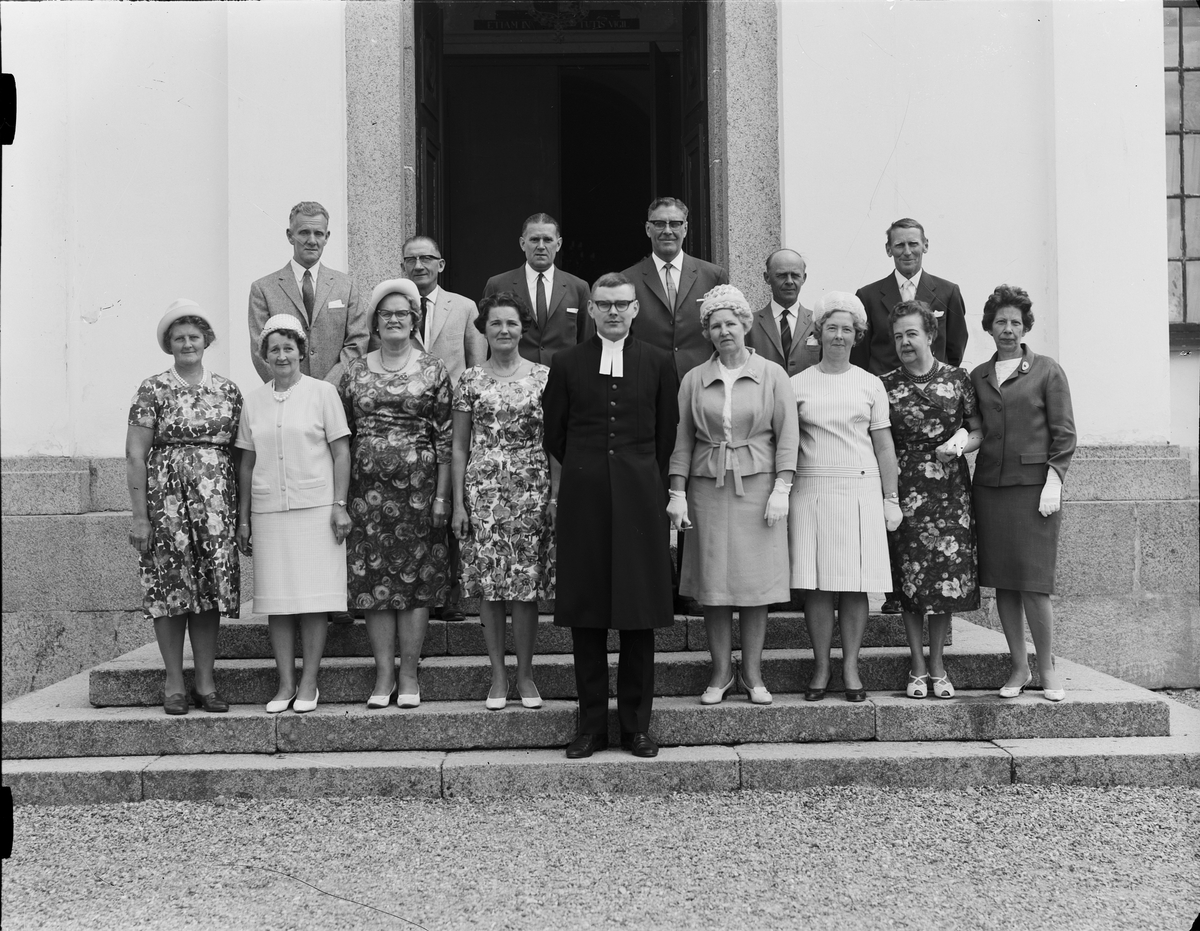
(1181, 48)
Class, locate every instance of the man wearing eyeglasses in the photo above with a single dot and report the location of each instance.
(447, 319)
(325, 300)
(669, 284)
(610, 411)
(558, 299)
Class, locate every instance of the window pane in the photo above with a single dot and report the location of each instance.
(1191, 164)
(1191, 228)
(1173, 229)
(1173, 164)
(1193, 293)
(1191, 100)
(1191, 36)
(1175, 292)
(1172, 101)
(1170, 38)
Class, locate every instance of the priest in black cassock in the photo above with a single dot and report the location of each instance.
(610, 409)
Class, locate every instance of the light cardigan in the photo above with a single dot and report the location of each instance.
(765, 432)
(293, 466)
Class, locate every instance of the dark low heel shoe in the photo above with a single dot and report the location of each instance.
(176, 704)
(856, 695)
(811, 694)
(639, 744)
(585, 745)
(212, 702)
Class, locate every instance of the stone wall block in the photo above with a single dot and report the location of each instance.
(58, 492)
(1169, 536)
(1096, 549)
(1128, 479)
(109, 492)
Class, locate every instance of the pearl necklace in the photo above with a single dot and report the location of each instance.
(499, 374)
(922, 379)
(281, 397)
(184, 382)
(403, 365)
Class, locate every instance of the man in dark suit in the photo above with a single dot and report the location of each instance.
(324, 300)
(669, 286)
(907, 245)
(447, 330)
(610, 412)
(783, 331)
(558, 299)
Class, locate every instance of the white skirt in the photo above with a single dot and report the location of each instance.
(837, 536)
(299, 568)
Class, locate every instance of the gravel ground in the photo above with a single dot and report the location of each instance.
(840, 858)
(1190, 697)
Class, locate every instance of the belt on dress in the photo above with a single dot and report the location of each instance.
(724, 451)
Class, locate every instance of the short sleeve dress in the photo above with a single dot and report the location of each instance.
(933, 551)
(191, 495)
(836, 530)
(401, 423)
(509, 555)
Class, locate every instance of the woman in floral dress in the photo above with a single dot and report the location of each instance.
(504, 492)
(935, 421)
(397, 401)
(180, 468)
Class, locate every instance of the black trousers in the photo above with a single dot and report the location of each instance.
(635, 679)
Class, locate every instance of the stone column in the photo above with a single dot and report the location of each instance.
(743, 130)
(380, 146)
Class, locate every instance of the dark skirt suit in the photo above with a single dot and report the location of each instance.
(1029, 428)
(613, 437)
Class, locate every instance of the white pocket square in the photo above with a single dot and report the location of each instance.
(572, 310)
(337, 303)
(939, 313)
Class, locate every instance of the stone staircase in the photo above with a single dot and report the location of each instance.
(102, 736)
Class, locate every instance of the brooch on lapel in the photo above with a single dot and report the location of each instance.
(1024, 367)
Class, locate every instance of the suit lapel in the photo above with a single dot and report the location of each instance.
(441, 310)
(766, 320)
(654, 283)
(802, 330)
(687, 278)
(889, 293)
(324, 286)
(927, 289)
(557, 294)
(287, 282)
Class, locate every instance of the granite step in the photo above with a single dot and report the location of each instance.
(61, 722)
(247, 638)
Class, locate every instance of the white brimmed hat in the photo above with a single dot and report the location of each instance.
(182, 307)
(281, 322)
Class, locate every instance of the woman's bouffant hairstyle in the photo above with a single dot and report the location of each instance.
(907, 308)
(1007, 295)
(296, 336)
(833, 301)
(199, 323)
(504, 299)
(725, 297)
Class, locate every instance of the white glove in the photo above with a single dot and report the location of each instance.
(777, 507)
(677, 510)
(892, 515)
(1051, 500)
(953, 447)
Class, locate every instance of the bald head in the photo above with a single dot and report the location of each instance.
(785, 275)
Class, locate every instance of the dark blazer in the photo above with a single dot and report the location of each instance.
(877, 351)
(337, 334)
(764, 339)
(567, 320)
(677, 329)
(1028, 423)
(614, 438)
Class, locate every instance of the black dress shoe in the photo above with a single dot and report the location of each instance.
(585, 745)
(688, 606)
(639, 744)
(856, 695)
(341, 617)
(452, 613)
(176, 704)
(891, 606)
(212, 702)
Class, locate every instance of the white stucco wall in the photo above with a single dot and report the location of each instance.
(1021, 134)
(158, 150)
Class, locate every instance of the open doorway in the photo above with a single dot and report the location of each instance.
(584, 122)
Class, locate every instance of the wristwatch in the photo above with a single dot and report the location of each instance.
(342, 503)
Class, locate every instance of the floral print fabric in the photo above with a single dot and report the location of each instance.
(509, 555)
(933, 552)
(401, 428)
(191, 495)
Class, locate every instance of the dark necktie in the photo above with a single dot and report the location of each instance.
(424, 328)
(306, 291)
(541, 301)
(670, 287)
(785, 334)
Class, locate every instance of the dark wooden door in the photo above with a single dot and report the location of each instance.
(427, 59)
(695, 128)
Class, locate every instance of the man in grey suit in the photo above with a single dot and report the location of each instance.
(559, 300)
(323, 299)
(447, 331)
(447, 319)
(669, 286)
(783, 331)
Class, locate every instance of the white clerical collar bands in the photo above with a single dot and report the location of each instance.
(611, 358)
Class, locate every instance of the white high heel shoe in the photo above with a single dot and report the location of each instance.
(1012, 691)
(301, 707)
(714, 695)
(279, 705)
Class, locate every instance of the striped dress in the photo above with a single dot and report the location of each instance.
(836, 531)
